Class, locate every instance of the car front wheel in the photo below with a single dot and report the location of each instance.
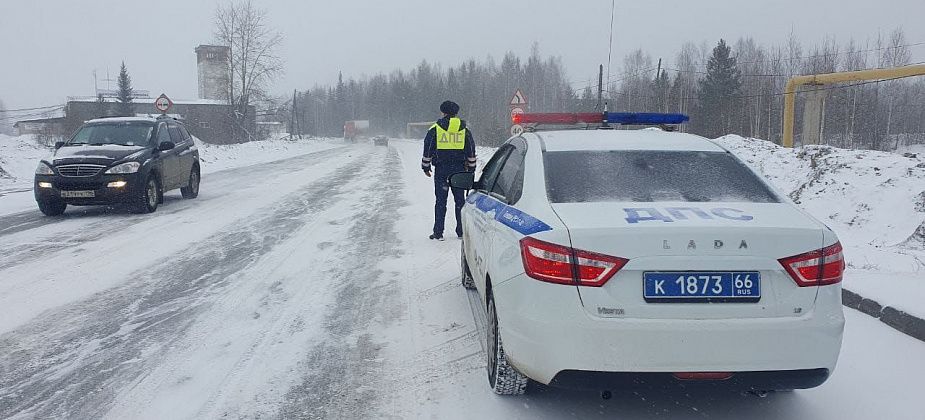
(191, 190)
(502, 377)
(147, 199)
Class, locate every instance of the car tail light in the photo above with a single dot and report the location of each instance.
(816, 268)
(564, 265)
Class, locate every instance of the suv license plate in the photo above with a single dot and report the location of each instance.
(78, 194)
(687, 286)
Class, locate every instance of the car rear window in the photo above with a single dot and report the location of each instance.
(651, 176)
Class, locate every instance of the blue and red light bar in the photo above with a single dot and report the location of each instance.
(644, 118)
(621, 118)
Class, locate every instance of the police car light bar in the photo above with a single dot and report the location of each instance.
(560, 118)
(644, 118)
(604, 118)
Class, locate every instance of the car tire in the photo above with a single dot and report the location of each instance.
(149, 196)
(467, 281)
(502, 377)
(52, 207)
(191, 190)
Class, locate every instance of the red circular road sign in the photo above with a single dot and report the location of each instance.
(516, 111)
(163, 103)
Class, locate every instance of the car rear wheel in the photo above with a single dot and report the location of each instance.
(502, 377)
(148, 197)
(467, 281)
(52, 207)
(191, 190)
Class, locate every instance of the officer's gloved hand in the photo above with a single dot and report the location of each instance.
(426, 171)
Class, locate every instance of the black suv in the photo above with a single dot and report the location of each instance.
(128, 160)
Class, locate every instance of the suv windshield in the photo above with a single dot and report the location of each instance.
(647, 176)
(125, 134)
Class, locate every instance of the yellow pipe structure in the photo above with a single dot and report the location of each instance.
(845, 76)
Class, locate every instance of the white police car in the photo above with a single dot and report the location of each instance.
(609, 258)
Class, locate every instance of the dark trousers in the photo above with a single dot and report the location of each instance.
(441, 191)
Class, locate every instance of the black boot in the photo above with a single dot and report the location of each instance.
(436, 237)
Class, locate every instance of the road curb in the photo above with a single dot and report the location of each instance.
(910, 325)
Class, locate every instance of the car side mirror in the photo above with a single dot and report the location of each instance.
(59, 144)
(463, 180)
(165, 146)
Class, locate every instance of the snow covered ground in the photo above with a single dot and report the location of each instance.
(307, 288)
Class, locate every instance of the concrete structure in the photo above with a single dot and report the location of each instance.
(213, 63)
(209, 120)
(41, 126)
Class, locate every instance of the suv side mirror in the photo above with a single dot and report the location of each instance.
(165, 146)
(463, 180)
(59, 144)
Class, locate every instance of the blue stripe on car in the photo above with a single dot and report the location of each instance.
(507, 215)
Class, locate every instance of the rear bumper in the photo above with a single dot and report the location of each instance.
(761, 380)
(103, 194)
(549, 337)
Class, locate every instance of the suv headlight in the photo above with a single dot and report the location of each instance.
(124, 168)
(44, 169)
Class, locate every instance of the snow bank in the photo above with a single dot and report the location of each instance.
(18, 157)
(868, 197)
(874, 201)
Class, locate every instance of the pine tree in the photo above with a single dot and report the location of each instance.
(717, 92)
(125, 93)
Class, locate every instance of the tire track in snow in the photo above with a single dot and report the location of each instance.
(342, 372)
(70, 362)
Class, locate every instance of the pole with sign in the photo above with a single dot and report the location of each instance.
(518, 104)
(163, 104)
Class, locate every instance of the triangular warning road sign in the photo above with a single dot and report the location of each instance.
(519, 98)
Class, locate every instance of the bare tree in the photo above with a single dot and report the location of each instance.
(253, 62)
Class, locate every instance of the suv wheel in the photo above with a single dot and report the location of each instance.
(52, 207)
(148, 197)
(502, 377)
(467, 281)
(191, 190)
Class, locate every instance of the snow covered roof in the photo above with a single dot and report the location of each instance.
(123, 119)
(151, 100)
(646, 139)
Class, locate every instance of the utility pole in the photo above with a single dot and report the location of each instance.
(292, 111)
(600, 88)
(658, 74)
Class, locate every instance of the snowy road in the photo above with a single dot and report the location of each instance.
(307, 288)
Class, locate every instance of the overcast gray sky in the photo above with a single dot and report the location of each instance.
(49, 48)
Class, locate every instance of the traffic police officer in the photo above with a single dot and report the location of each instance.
(449, 148)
